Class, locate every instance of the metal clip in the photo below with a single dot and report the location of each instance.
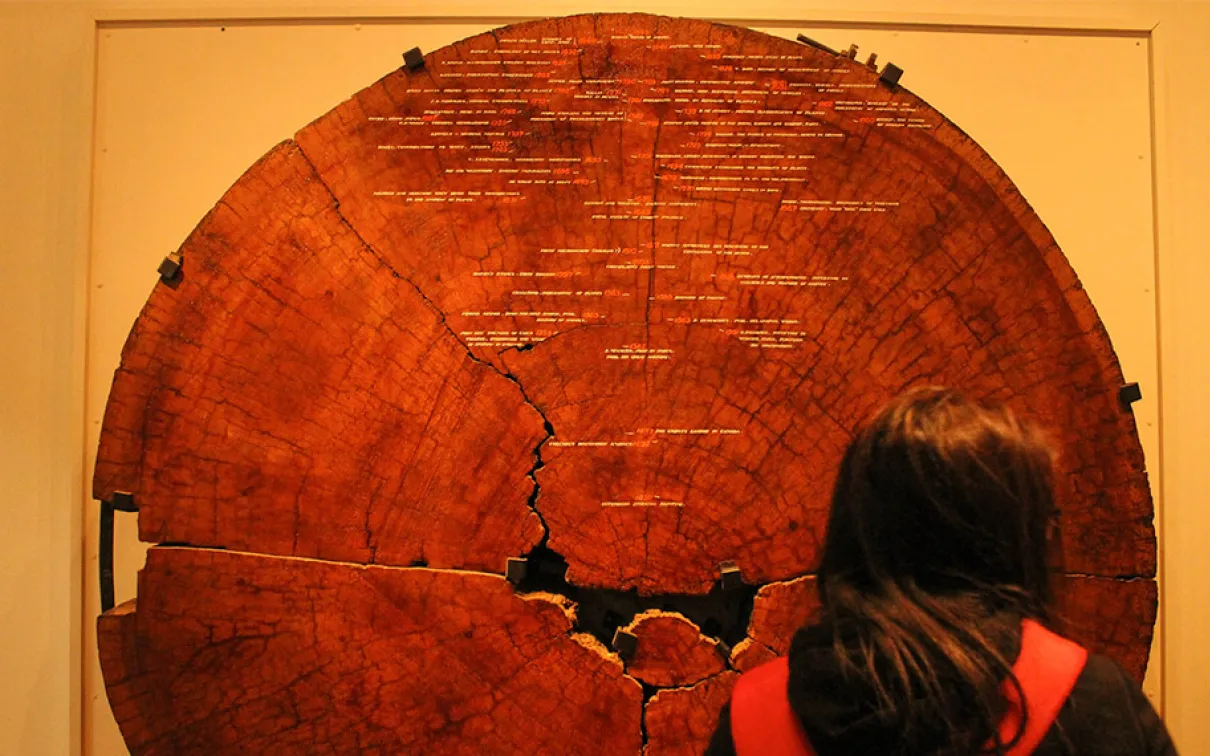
(817, 45)
(625, 644)
(1130, 393)
(413, 59)
(731, 576)
(891, 74)
(123, 502)
(170, 268)
(516, 569)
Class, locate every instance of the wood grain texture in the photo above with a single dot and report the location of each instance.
(1111, 617)
(867, 240)
(292, 395)
(781, 608)
(749, 654)
(671, 651)
(753, 332)
(238, 654)
(619, 286)
(679, 722)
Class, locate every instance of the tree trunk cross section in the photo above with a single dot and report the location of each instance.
(620, 286)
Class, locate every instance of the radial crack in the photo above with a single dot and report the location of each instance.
(441, 318)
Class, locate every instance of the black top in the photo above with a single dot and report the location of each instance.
(1105, 715)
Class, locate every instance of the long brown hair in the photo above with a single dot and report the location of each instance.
(936, 549)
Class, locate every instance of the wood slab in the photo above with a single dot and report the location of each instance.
(749, 654)
(680, 721)
(290, 394)
(229, 653)
(1111, 617)
(779, 609)
(754, 245)
(618, 286)
(671, 650)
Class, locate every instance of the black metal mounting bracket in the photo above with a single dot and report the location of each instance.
(516, 569)
(625, 644)
(817, 45)
(170, 268)
(119, 502)
(413, 59)
(891, 74)
(1129, 393)
(730, 575)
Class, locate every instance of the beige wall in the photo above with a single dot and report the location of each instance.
(46, 140)
(1182, 149)
(45, 90)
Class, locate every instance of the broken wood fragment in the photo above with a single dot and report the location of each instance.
(680, 721)
(230, 653)
(671, 651)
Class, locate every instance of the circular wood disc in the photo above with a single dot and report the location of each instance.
(620, 286)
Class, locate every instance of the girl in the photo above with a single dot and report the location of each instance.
(935, 592)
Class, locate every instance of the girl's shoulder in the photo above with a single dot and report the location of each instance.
(1107, 713)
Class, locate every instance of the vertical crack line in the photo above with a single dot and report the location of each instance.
(649, 692)
(441, 318)
(539, 463)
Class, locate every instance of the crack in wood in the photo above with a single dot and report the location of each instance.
(720, 453)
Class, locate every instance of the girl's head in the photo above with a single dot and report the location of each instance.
(941, 495)
(936, 549)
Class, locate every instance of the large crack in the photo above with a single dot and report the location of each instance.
(599, 613)
(532, 502)
(698, 684)
(548, 429)
(721, 614)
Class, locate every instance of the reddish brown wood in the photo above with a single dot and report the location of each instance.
(956, 281)
(671, 651)
(679, 722)
(749, 654)
(237, 653)
(938, 273)
(781, 608)
(625, 282)
(1111, 617)
(292, 395)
